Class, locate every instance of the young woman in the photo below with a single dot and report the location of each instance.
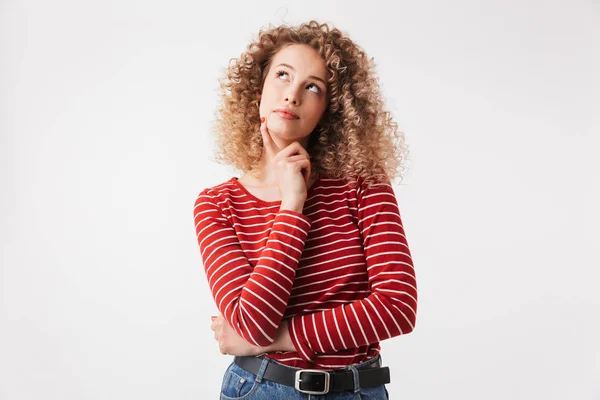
(305, 254)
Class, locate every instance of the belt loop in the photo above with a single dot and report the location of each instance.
(356, 378)
(262, 369)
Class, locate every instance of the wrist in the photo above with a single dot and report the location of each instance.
(292, 206)
(283, 341)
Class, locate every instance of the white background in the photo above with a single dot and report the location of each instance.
(105, 143)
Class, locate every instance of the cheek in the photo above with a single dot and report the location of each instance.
(268, 90)
(266, 98)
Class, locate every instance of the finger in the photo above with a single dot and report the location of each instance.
(214, 324)
(307, 174)
(303, 166)
(222, 350)
(292, 159)
(290, 162)
(294, 148)
(270, 146)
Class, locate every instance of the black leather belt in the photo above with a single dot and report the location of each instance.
(312, 381)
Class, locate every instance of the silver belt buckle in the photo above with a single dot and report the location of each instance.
(315, 371)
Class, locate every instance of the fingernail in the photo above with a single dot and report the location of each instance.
(262, 120)
(213, 317)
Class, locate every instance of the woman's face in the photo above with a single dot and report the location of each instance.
(296, 82)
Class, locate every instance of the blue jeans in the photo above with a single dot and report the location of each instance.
(239, 384)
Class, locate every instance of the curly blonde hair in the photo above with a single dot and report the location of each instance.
(356, 138)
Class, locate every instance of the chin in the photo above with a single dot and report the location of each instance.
(291, 137)
(286, 133)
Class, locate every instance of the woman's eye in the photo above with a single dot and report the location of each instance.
(316, 87)
(280, 73)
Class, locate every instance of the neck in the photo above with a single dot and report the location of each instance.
(264, 171)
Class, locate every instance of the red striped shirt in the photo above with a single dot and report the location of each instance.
(341, 272)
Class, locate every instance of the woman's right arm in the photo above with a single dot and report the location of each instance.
(252, 299)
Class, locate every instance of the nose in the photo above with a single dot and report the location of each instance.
(293, 96)
(291, 99)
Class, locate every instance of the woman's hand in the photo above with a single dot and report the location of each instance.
(230, 342)
(292, 168)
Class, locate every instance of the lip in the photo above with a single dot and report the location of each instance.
(285, 113)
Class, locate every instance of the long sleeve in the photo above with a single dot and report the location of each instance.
(252, 299)
(390, 308)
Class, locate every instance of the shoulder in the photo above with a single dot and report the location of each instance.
(329, 186)
(354, 186)
(331, 181)
(357, 183)
(368, 190)
(216, 194)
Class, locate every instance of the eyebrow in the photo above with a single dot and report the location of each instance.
(311, 76)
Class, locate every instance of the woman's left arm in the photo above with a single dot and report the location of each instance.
(233, 344)
(389, 310)
(391, 307)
